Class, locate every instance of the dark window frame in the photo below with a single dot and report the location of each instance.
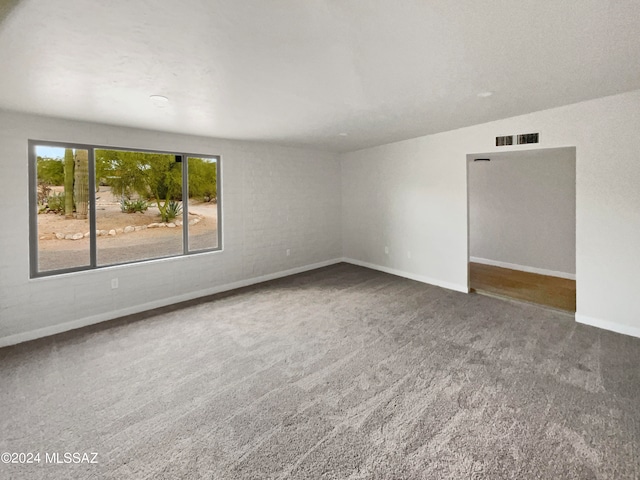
(93, 265)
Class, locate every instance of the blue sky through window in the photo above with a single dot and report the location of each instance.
(49, 152)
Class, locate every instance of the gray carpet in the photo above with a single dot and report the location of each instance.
(338, 373)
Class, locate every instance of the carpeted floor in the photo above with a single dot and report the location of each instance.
(338, 373)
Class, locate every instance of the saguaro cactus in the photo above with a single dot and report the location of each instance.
(81, 185)
(68, 182)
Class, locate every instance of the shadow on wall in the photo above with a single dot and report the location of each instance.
(6, 8)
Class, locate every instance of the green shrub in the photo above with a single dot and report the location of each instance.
(133, 206)
(202, 179)
(173, 210)
(55, 202)
(50, 170)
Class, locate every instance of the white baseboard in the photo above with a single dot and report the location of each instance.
(64, 327)
(83, 322)
(607, 325)
(523, 268)
(411, 276)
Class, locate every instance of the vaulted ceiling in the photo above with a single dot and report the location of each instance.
(303, 72)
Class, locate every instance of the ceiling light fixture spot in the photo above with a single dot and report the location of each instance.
(485, 94)
(159, 100)
(342, 134)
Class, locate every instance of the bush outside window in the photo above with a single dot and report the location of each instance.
(94, 206)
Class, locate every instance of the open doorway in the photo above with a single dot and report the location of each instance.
(522, 225)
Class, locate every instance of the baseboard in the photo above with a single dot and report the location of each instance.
(84, 322)
(411, 276)
(607, 325)
(523, 268)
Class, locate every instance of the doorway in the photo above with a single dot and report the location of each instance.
(522, 225)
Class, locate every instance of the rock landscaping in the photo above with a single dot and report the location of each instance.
(128, 229)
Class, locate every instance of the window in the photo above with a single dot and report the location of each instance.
(94, 206)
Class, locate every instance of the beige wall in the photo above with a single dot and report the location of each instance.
(274, 199)
(411, 196)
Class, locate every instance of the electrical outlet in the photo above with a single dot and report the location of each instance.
(114, 283)
(288, 252)
(408, 254)
(386, 250)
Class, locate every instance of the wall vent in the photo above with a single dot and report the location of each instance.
(528, 138)
(506, 140)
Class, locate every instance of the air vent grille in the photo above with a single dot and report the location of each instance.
(521, 139)
(506, 140)
(528, 138)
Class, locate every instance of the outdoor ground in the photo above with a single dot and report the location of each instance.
(55, 253)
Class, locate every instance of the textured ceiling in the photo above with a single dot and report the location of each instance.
(302, 72)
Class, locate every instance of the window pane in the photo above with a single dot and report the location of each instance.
(203, 203)
(63, 208)
(138, 206)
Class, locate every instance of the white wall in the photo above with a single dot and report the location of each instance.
(522, 210)
(412, 197)
(273, 198)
